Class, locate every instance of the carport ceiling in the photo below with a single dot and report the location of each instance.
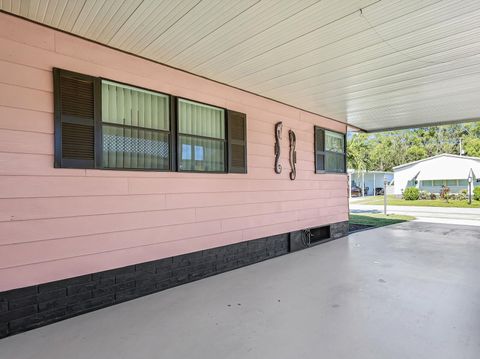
(373, 64)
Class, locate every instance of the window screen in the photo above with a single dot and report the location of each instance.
(135, 128)
(329, 151)
(201, 137)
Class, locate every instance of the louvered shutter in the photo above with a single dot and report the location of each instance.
(319, 149)
(74, 119)
(237, 142)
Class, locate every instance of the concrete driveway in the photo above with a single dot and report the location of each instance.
(449, 215)
(410, 290)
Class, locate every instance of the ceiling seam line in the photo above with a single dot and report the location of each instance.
(367, 72)
(168, 28)
(266, 29)
(211, 32)
(331, 43)
(353, 51)
(123, 23)
(306, 33)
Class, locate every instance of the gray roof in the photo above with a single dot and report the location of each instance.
(441, 155)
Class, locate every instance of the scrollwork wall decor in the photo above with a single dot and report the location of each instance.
(278, 137)
(293, 154)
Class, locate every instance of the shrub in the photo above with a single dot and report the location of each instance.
(476, 193)
(411, 194)
(464, 191)
(433, 196)
(424, 195)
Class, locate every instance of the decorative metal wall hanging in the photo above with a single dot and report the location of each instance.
(278, 137)
(293, 154)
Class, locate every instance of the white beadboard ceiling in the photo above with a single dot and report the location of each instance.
(375, 64)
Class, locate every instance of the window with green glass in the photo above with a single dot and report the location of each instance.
(329, 151)
(451, 183)
(426, 183)
(135, 128)
(438, 183)
(463, 183)
(201, 137)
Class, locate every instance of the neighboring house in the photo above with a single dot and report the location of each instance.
(430, 174)
(370, 181)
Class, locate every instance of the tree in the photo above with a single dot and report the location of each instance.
(471, 145)
(385, 150)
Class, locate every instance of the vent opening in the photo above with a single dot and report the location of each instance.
(319, 234)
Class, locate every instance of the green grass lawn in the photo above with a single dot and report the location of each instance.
(393, 201)
(378, 219)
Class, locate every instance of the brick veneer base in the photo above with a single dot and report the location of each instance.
(31, 307)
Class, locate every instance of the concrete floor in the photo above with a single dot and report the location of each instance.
(407, 291)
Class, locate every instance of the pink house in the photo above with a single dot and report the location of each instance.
(121, 176)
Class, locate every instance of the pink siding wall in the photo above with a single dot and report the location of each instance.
(58, 223)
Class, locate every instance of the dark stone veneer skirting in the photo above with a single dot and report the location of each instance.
(31, 307)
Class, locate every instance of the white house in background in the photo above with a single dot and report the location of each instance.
(430, 174)
(370, 181)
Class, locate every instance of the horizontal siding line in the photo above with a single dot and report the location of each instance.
(29, 153)
(166, 226)
(51, 134)
(146, 194)
(110, 232)
(272, 123)
(119, 249)
(296, 220)
(32, 174)
(167, 193)
(41, 171)
(167, 209)
(281, 212)
(227, 178)
(26, 87)
(282, 223)
(30, 131)
(156, 243)
(26, 65)
(28, 109)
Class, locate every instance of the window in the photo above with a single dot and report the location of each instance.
(329, 151)
(135, 128)
(438, 183)
(104, 124)
(463, 183)
(451, 183)
(201, 137)
(426, 183)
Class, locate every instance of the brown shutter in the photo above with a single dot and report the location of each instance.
(74, 96)
(237, 142)
(319, 149)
